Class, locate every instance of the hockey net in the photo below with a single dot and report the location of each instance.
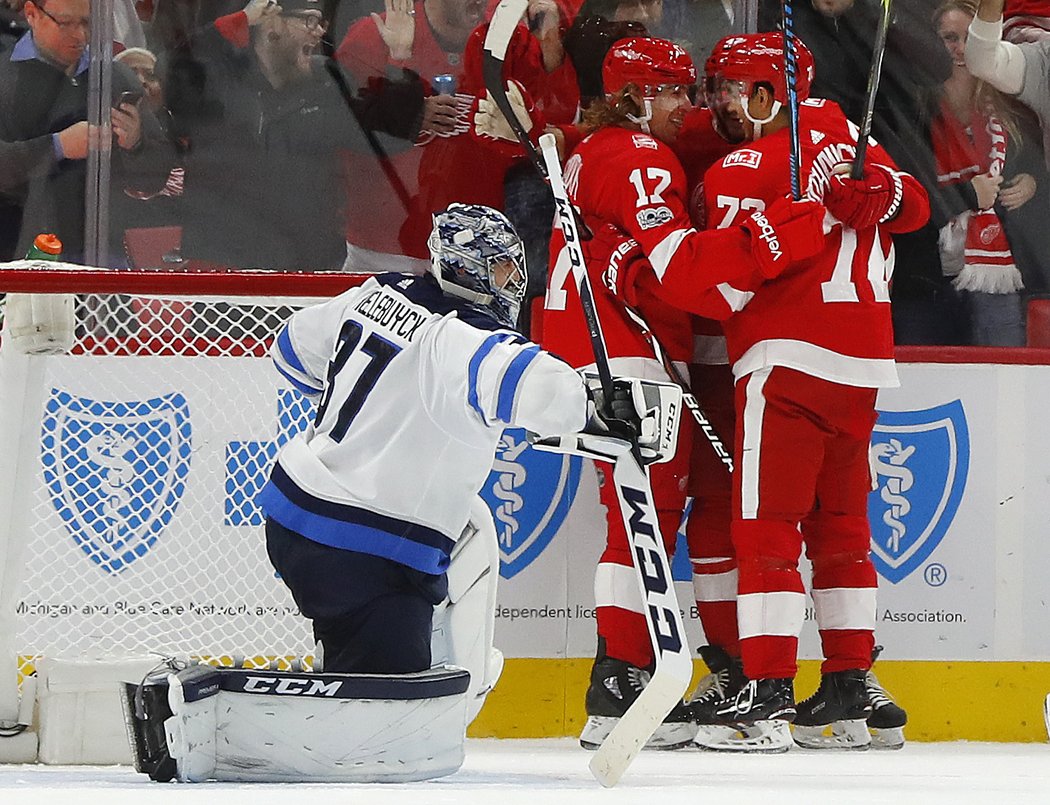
(131, 462)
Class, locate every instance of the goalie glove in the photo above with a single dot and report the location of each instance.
(786, 232)
(642, 413)
(493, 129)
(873, 199)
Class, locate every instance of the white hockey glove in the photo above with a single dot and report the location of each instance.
(490, 122)
(641, 412)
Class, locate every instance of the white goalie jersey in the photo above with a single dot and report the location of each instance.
(415, 390)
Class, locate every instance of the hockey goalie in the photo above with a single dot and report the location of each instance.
(375, 525)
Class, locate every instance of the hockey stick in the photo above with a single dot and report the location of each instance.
(857, 171)
(791, 76)
(674, 667)
(501, 28)
(688, 397)
(504, 20)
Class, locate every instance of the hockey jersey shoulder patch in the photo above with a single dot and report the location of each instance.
(744, 157)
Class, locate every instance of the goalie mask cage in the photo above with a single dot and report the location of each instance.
(130, 465)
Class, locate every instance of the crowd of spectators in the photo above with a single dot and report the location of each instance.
(322, 134)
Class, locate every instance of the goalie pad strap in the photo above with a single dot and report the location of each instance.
(434, 684)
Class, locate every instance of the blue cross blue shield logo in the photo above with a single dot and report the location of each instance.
(922, 459)
(529, 493)
(115, 471)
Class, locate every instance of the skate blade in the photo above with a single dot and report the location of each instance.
(839, 735)
(886, 737)
(667, 736)
(762, 737)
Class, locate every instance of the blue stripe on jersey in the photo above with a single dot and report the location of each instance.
(284, 344)
(475, 366)
(509, 386)
(309, 391)
(340, 525)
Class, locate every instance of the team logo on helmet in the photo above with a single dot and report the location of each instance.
(116, 471)
(529, 493)
(922, 459)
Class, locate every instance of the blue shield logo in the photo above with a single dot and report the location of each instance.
(922, 459)
(529, 493)
(115, 471)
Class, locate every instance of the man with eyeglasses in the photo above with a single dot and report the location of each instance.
(43, 107)
(265, 115)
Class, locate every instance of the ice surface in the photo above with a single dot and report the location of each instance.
(555, 771)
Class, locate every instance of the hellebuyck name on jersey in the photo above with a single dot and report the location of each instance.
(391, 313)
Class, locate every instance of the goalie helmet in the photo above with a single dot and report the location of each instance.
(648, 63)
(476, 255)
(752, 58)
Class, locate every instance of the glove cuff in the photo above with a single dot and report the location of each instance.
(898, 197)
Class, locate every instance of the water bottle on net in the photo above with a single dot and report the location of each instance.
(39, 323)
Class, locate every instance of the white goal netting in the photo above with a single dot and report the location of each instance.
(128, 476)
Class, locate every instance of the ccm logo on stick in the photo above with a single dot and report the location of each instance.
(291, 686)
(653, 578)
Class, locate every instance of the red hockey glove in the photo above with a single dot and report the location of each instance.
(619, 258)
(785, 233)
(873, 199)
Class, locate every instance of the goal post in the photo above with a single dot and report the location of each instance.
(129, 465)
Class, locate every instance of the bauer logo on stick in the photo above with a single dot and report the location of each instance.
(922, 459)
(116, 471)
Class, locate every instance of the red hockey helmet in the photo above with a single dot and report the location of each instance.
(760, 57)
(646, 62)
(722, 48)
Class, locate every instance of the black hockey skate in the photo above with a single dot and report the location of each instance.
(614, 687)
(887, 719)
(759, 700)
(835, 717)
(723, 683)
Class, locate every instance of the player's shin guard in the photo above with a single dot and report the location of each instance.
(771, 602)
(715, 585)
(204, 723)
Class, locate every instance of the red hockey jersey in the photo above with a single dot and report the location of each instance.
(635, 183)
(828, 316)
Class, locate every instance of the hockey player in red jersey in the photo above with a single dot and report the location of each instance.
(624, 178)
(809, 350)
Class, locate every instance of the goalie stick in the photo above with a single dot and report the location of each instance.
(674, 667)
(857, 170)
